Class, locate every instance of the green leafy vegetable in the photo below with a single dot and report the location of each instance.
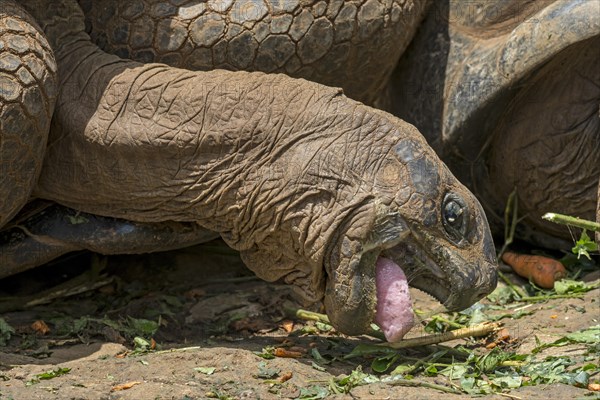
(382, 364)
(205, 370)
(313, 392)
(48, 375)
(345, 383)
(142, 327)
(584, 246)
(568, 286)
(6, 332)
(264, 372)
(266, 353)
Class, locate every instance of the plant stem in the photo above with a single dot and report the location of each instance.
(550, 297)
(514, 288)
(312, 316)
(450, 323)
(477, 330)
(573, 221)
(413, 383)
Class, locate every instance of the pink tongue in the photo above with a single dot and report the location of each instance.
(394, 307)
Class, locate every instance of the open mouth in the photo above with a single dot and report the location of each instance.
(422, 271)
(372, 274)
(397, 268)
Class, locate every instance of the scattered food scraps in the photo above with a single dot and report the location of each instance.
(287, 326)
(205, 370)
(281, 352)
(125, 386)
(594, 387)
(40, 327)
(285, 377)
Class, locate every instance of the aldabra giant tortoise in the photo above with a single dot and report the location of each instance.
(313, 188)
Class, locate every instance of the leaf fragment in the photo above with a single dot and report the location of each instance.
(205, 370)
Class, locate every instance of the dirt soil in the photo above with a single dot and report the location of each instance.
(214, 317)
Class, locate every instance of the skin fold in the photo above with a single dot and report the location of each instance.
(309, 185)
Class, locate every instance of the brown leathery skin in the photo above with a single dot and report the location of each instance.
(353, 44)
(27, 95)
(287, 171)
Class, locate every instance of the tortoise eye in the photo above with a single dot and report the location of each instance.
(455, 216)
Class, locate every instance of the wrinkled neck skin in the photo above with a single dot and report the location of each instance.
(310, 186)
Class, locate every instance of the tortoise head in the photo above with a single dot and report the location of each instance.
(427, 224)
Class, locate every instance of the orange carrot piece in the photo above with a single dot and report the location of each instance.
(281, 352)
(542, 271)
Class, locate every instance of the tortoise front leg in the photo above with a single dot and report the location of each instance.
(57, 230)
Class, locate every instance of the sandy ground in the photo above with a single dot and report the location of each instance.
(213, 314)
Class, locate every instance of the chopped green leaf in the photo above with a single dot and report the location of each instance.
(141, 344)
(365, 349)
(264, 372)
(382, 364)
(509, 381)
(316, 355)
(267, 353)
(205, 370)
(568, 286)
(584, 245)
(345, 383)
(455, 371)
(590, 335)
(142, 327)
(317, 366)
(313, 392)
(323, 327)
(502, 295)
(53, 374)
(6, 331)
(48, 375)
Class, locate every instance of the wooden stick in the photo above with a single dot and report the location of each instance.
(477, 330)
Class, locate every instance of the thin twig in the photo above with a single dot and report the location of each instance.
(550, 297)
(511, 285)
(414, 383)
(510, 396)
(510, 220)
(477, 330)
